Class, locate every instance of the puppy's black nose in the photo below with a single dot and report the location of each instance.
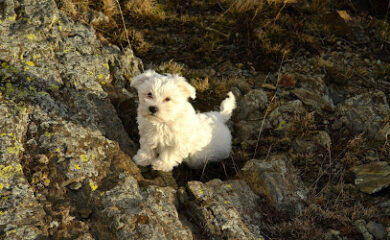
(153, 109)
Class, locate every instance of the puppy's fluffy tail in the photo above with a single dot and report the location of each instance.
(227, 107)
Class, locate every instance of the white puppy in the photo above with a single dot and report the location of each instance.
(170, 129)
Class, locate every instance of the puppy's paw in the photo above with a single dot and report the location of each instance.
(162, 166)
(142, 159)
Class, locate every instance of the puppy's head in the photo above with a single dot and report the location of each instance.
(162, 97)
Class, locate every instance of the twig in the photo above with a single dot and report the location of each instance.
(280, 11)
(123, 20)
(224, 169)
(234, 164)
(204, 168)
(385, 83)
(268, 152)
(221, 7)
(218, 32)
(268, 108)
(348, 145)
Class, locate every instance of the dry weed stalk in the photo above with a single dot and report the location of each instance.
(110, 7)
(123, 21)
(268, 110)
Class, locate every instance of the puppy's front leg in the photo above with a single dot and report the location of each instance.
(145, 155)
(167, 159)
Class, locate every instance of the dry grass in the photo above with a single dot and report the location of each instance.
(320, 5)
(137, 39)
(69, 8)
(110, 8)
(249, 24)
(201, 84)
(383, 31)
(244, 6)
(315, 222)
(332, 206)
(171, 67)
(149, 9)
(304, 125)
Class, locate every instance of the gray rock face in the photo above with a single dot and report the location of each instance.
(251, 105)
(249, 113)
(281, 118)
(275, 178)
(365, 113)
(313, 92)
(143, 213)
(309, 146)
(372, 177)
(377, 230)
(225, 210)
(360, 226)
(21, 216)
(59, 128)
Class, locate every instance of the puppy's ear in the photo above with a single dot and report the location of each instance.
(187, 89)
(138, 80)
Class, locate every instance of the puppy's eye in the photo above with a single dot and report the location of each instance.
(150, 95)
(167, 99)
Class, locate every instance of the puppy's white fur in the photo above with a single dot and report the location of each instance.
(175, 132)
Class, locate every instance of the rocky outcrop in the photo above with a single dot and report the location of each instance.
(365, 113)
(224, 210)
(372, 177)
(61, 136)
(21, 216)
(251, 105)
(282, 118)
(248, 116)
(313, 92)
(276, 179)
(149, 213)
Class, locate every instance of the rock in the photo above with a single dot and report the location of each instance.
(137, 213)
(282, 118)
(75, 185)
(225, 210)
(365, 113)
(377, 230)
(123, 65)
(372, 177)
(21, 216)
(251, 105)
(248, 116)
(305, 149)
(385, 207)
(97, 18)
(277, 180)
(332, 234)
(246, 132)
(323, 139)
(54, 71)
(384, 133)
(245, 88)
(360, 226)
(313, 92)
(86, 236)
